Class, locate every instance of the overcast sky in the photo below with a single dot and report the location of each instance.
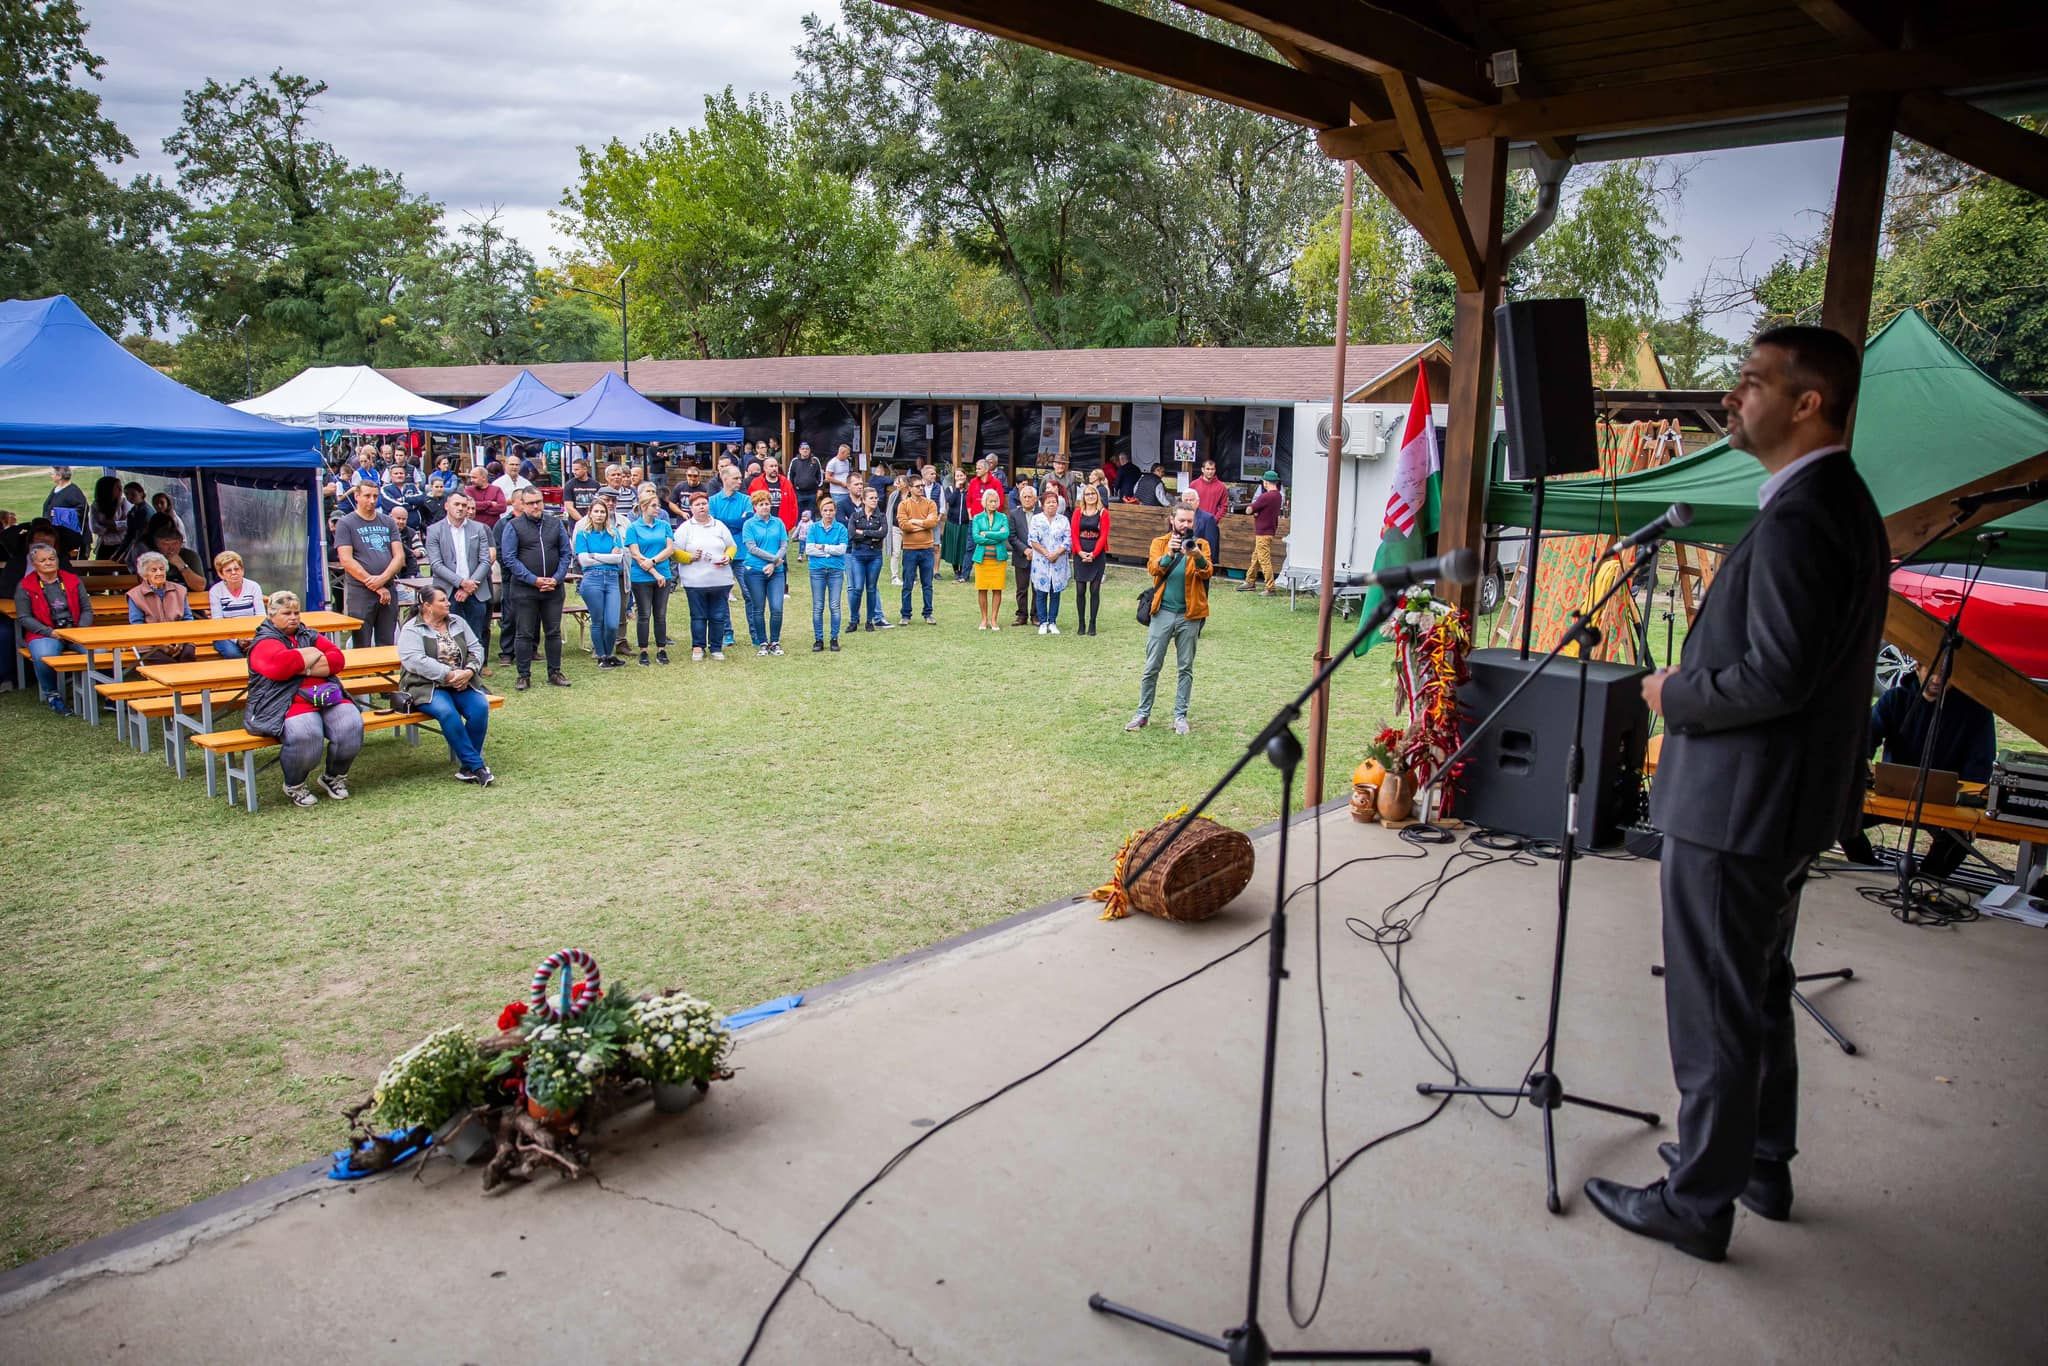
(483, 105)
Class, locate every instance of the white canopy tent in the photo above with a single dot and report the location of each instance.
(354, 397)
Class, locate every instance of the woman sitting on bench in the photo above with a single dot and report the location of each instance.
(294, 698)
(440, 657)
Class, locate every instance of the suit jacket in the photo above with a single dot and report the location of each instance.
(1768, 716)
(441, 556)
(1206, 529)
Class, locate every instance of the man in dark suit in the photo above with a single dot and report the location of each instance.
(1206, 528)
(1767, 719)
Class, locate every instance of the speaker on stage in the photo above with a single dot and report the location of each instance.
(1546, 380)
(1514, 779)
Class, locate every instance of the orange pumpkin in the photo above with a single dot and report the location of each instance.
(1371, 773)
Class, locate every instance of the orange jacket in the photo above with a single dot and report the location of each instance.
(1199, 570)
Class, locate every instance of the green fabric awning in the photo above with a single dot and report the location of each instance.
(1927, 421)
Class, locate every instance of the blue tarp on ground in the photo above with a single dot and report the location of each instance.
(611, 411)
(521, 396)
(72, 395)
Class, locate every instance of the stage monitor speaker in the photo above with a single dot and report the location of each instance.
(1514, 779)
(1546, 380)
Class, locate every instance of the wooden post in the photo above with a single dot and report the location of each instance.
(956, 436)
(1468, 451)
(1064, 428)
(785, 429)
(867, 428)
(1859, 215)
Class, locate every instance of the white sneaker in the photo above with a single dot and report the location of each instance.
(718, 655)
(1052, 628)
(300, 795)
(1041, 628)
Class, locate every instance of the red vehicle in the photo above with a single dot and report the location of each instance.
(2007, 612)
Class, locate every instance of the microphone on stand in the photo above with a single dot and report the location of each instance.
(1675, 516)
(1453, 566)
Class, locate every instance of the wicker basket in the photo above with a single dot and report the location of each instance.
(1198, 875)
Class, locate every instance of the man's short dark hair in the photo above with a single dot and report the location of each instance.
(1822, 360)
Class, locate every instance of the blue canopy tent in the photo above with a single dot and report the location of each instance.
(521, 396)
(72, 395)
(611, 411)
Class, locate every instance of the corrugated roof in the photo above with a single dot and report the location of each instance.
(1168, 374)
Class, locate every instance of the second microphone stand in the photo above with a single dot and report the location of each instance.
(1543, 1088)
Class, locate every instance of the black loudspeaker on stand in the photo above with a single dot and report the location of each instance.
(1246, 1344)
(1546, 381)
(1542, 1087)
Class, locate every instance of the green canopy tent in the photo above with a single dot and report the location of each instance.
(1927, 422)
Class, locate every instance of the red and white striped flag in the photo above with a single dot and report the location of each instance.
(1419, 459)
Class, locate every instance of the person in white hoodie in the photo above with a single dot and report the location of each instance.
(705, 549)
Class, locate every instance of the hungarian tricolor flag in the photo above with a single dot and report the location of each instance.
(1415, 500)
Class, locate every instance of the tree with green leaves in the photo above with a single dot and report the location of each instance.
(742, 244)
(289, 249)
(66, 225)
(1693, 355)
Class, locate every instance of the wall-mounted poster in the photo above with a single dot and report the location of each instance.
(1261, 436)
(1052, 420)
(1103, 419)
(969, 429)
(885, 432)
(1145, 421)
(1184, 450)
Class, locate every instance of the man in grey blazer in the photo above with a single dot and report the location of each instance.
(1766, 720)
(459, 553)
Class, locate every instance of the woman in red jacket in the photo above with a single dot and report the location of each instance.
(1091, 549)
(293, 696)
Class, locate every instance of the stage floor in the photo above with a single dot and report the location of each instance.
(1918, 1233)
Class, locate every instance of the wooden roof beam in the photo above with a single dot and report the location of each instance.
(1364, 38)
(1909, 527)
(1437, 193)
(1107, 36)
(1793, 86)
(1866, 23)
(1965, 132)
(1368, 101)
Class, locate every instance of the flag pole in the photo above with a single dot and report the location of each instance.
(1326, 593)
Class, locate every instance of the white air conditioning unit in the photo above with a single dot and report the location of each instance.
(1363, 435)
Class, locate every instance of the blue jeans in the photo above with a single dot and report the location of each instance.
(764, 605)
(600, 593)
(1046, 602)
(864, 574)
(229, 649)
(918, 567)
(463, 716)
(710, 617)
(825, 588)
(41, 648)
(746, 606)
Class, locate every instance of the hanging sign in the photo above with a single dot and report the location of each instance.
(1103, 419)
(1261, 437)
(885, 431)
(1052, 421)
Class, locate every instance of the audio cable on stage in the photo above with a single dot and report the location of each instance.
(796, 1270)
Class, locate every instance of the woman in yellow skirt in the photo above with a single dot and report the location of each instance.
(991, 532)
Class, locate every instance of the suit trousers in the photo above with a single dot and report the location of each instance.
(535, 613)
(1728, 925)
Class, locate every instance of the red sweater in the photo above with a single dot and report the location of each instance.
(976, 486)
(276, 660)
(1101, 547)
(786, 510)
(490, 504)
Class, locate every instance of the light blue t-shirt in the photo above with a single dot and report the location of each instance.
(650, 539)
(827, 544)
(763, 538)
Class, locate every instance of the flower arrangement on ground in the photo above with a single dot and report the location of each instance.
(525, 1095)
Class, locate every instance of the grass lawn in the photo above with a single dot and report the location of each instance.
(198, 991)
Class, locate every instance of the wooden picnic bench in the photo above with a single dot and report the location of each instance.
(238, 749)
(118, 642)
(194, 691)
(110, 608)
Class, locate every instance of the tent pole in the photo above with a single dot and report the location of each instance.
(1319, 705)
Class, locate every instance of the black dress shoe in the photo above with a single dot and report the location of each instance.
(1769, 1192)
(1641, 1209)
(559, 680)
(522, 685)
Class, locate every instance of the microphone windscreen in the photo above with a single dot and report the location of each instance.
(1680, 514)
(1458, 566)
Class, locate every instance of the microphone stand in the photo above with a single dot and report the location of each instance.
(1542, 1087)
(1246, 1344)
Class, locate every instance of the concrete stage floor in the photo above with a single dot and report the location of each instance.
(1921, 1232)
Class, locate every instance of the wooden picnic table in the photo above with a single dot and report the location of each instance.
(111, 606)
(99, 566)
(202, 678)
(120, 640)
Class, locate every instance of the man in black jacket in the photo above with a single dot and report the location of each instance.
(533, 550)
(1021, 508)
(806, 476)
(1767, 726)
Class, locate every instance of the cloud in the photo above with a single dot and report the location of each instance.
(476, 105)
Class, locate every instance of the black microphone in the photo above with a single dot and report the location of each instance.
(1453, 566)
(2031, 491)
(1675, 516)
